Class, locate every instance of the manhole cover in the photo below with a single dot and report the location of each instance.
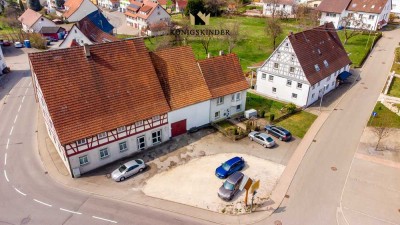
(362, 83)
(333, 168)
(277, 222)
(383, 63)
(314, 140)
(287, 196)
(45, 172)
(365, 88)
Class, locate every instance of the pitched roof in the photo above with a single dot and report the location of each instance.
(314, 46)
(336, 6)
(72, 6)
(182, 3)
(29, 17)
(100, 21)
(368, 6)
(223, 75)
(283, 2)
(180, 77)
(50, 30)
(147, 7)
(95, 34)
(87, 96)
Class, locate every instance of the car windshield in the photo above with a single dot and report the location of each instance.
(138, 161)
(225, 166)
(228, 186)
(122, 168)
(269, 139)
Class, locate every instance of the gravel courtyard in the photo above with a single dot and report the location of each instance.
(198, 185)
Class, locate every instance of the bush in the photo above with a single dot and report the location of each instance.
(262, 113)
(290, 108)
(271, 117)
(37, 41)
(397, 55)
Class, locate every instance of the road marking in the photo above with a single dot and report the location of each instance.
(30, 83)
(66, 210)
(23, 99)
(12, 128)
(16, 117)
(43, 203)
(8, 142)
(20, 105)
(26, 90)
(22, 193)
(5, 175)
(5, 159)
(99, 218)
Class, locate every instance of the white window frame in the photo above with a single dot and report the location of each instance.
(155, 118)
(220, 100)
(238, 96)
(121, 129)
(312, 96)
(102, 135)
(104, 150)
(273, 89)
(139, 123)
(371, 17)
(81, 142)
(271, 78)
(158, 137)
(276, 65)
(138, 143)
(299, 85)
(124, 143)
(288, 82)
(238, 108)
(291, 69)
(233, 97)
(217, 114)
(263, 76)
(294, 95)
(85, 160)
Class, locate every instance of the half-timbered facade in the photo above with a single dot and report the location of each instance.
(304, 66)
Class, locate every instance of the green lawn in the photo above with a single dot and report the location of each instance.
(394, 89)
(396, 65)
(299, 123)
(384, 118)
(259, 103)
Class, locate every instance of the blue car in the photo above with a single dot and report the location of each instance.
(229, 167)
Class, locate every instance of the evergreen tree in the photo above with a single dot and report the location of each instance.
(60, 3)
(194, 6)
(34, 5)
(21, 6)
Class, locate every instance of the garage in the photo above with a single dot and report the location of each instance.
(178, 128)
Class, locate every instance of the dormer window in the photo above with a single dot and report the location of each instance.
(319, 52)
(373, 6)
(316, 67)
(326, 63)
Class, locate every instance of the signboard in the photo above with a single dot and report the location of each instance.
(246, 183)
(374, 114)
(255, 186)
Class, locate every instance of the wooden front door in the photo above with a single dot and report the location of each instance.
(178, 128)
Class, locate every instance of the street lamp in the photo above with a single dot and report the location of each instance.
(322, 97)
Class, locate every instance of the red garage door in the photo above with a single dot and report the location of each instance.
(178, 128)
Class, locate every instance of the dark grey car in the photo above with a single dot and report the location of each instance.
(231, 186)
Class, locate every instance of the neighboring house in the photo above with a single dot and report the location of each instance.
(109, 4)
(374, 14)
(184, 88)
(86, 32)
(396, 7)
(33, 21)
(180, 5)
(304, 67)
(75, 10)
(99, 112)
(3, 66)
(144, 15)
(224, 77)
(101, 21)
(279, 7)
(53, 32)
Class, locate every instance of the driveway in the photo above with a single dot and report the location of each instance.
(118, 20)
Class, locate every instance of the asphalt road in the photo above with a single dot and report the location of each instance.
(28, 195)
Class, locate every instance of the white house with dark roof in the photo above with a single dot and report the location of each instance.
(373, 14)
(396, 7)
(305, 66)
(33, 21)
(75, 10)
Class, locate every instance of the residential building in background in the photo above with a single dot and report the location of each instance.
(180, 5)
(109, 4)
(373, 14)
(396, 7)
(75, 10)
(304, 67)
(279, 7)
(32, 21)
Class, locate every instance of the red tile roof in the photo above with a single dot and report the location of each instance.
(368, 6)
(334, 6)
(29, 17)
(314, 46)
(147, 7)
(182, 3)
(180, 77)
(223, 75)
(95, 34)
(283, 2)
(116, 86)
(72, 6)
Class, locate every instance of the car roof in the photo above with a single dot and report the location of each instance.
(264, 135)
(131, 163)
(235, 177)
(283, 130)
(233, 160)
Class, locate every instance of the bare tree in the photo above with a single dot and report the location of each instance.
(306, 17)
(273, 29)
(205, 41)
(352, 26)
(380, 132)
(234, 35)
(214, 7)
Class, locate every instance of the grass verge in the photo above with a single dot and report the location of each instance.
(384, 118)
(394, 89)
(299, 123)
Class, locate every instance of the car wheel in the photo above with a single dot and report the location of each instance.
(122, 179)
(280, 138)
(267, 131)
(251, 139)
(264, 145)
(141, 170)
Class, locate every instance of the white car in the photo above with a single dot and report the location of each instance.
(128, 169)
(261, 138)
(18, 44)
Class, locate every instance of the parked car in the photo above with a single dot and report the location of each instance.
(18, 44)
(51, 38)
(261, 138)
(128, 169)
(229, 167)
(279, 132)
(231, 186)
(6, 43)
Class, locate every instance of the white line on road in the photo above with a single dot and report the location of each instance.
(66, 210)
(19, 107)
(5, 159)
(99, 218)
(30, 83)
(5, 175)
(43, 203)
(16, 117)
(26, 90)
(12, 128)
(8, 142)
(23, 99)
(22, 193)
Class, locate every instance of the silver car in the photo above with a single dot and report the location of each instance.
(261, 138)
(128, 169)
(231, 186)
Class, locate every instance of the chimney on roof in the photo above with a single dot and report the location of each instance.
(221, 52)
(290, 33)
(87, 50)
(208, 55)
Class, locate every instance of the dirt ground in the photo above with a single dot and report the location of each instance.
(198, 184)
